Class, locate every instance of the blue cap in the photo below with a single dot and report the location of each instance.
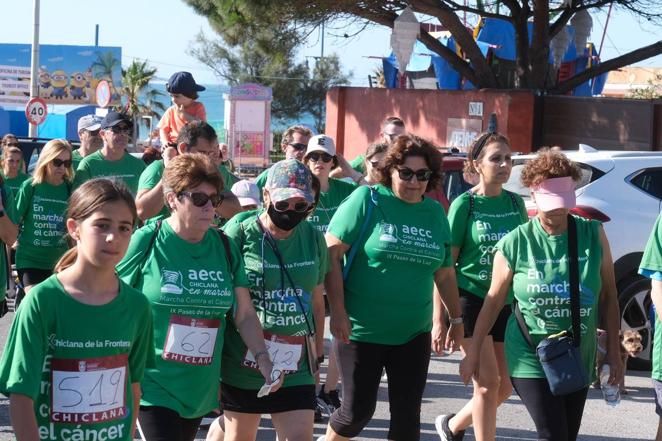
(113, 118)
(183, 82)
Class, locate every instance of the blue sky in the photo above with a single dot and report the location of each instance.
(163, 34)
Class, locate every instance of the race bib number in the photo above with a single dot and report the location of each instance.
(191, 340)
(284, 350)
(90, 390)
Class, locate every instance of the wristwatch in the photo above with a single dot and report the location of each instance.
(456, 321)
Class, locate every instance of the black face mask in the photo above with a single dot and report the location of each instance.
(285, 220)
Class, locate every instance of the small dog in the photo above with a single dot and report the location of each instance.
(630, 347)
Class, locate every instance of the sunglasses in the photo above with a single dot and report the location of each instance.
(299, 146)
(93, 132)
(316, 156)
(422, 175)
(120, 129)
(391, 136)
(200, 199)
(59, 163)
(374, 163)
(299, 207)
(12, 144)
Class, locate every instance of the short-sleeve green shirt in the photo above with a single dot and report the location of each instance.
(329, 202)
(77, 362)
(190, 287)
(541, 287)
(651, 265)
(10, 212)
(477, 233)
(305, 256)
(388, 292)
(127, 169)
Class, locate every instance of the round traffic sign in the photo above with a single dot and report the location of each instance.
(103, 93)
(36, 111)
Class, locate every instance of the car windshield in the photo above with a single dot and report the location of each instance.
(514, 184)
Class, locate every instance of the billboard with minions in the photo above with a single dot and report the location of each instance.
(67, 74)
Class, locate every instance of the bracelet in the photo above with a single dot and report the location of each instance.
(456, 321)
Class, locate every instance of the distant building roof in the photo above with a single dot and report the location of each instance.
(622, 82)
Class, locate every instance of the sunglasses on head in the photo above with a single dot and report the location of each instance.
(422, 175)
(200, 199)
(298, 146)
(316, 156)
(299, 206)
(59, 163)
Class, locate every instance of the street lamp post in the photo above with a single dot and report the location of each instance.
(34, 65)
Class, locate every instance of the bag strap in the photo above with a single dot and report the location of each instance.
(152, 240)
(228, 251)
(573, 265)
(574, 280)
(357, 243)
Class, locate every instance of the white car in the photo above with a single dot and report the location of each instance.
(623, 189)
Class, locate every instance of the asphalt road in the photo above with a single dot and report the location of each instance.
(633, 419)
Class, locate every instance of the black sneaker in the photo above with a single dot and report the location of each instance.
(331, 398)
(444, 431)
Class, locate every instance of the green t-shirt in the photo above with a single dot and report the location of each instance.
(541, 287)
(491, 219)
(10, 212)
(261, 181)
(240, 217)
(305, 256)
(329, 203)
(40, 211)
(651, 262)
(127, 169)
(77, 361)
(190, 288)
(76, 159)
(358, 164)
(388, 292)
(15, 183)
(149, 178)
(228, 178)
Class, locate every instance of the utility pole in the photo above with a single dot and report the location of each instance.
(322, 38)
(34, 65)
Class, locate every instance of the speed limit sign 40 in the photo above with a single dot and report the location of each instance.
(36, 111)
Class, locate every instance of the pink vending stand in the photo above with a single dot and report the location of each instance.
(247, 125)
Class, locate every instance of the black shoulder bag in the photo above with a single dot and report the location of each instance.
(559, 354)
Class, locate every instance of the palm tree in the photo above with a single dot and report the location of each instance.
(105, 64)
(140, 99)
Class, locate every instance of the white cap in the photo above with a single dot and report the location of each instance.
(247, 192)
(321, 143)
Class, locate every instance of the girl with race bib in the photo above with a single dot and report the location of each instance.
(40, 205)
(478, 219)
(286, 262)
(80, 341)
(192, 276)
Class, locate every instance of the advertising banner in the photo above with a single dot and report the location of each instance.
(67, 74)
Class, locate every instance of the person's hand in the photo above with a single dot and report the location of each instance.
(616, 368)
(469, 366)
(439, 331)
(454, 337)
(168, 153)
(271, 375)
(341, 328)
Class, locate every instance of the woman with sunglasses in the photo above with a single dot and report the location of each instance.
(40, 205)
(478, 219)
(398, 244)
(192, 276)
(286, 262)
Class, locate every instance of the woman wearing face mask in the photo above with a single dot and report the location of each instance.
(532, 263)
(478, 219)
(381, 310)
(286, 262)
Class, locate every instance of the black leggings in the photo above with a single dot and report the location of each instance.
(556, 418)
(361, 366)
(162, 424)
